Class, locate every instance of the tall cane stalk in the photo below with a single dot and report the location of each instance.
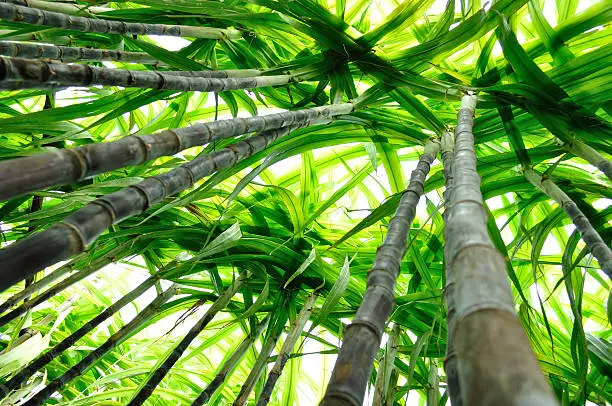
(362, 337)
(22, 175)
(582, 150)
(496, 364)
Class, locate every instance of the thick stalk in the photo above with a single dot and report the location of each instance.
(88, 270)
(16, 13)
(450, 360)
(582, 150)
(23, 175)
(382, 390)
(496, 364)
(362, 337)
(230, 364)
(262, 360)
(590, 236)
(19, 73)
(178, 351)
(113, 341)
(72, 54)
(23, 375)
(287, 348)
(60, 7)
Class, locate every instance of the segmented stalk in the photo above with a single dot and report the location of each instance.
(450, 360)
(363, 336)
(287, 349)
(23, 375)
(19, 73)
(582, 150)
(163, 369)
(30, 15)
(496, 364)
(22, 175)
(113, 341)
(60, 7)
(230, 364)
(590, 236)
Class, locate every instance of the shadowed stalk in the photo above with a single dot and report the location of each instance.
(275, 331)
(13, 12)
(582, 150)
(590, 236)
(177, 352)
(362, 337)
(19, 73)
(89, 269)
(230, 364)
(60, 7)
(25, 373)
(450, 360)
(113, 341)
(287, 348)
(22, 175)
(383, 393)
(496, 364)
(81, 228)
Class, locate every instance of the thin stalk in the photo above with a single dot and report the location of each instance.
(230, 364)
(113, 341)
(29, 15)
(362, 337)
(72, 235)
(19, 73)
(177, 352)
(496, 364)
(582, 150)
(87, 270)
(23, 175)
(590, 236)
(262, 360)
(433, 380)
(287, 348)
(382, 390)
(72, 54)
(22, 376)
(450, 360)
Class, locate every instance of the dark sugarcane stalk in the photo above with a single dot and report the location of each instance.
(450, 359)
(23, 175)
(72, 235)
(72, 54)
(362, 337)
(113, 341)
(88, 270)
(178, 351)
(382, 391)
(24, 374)
(596, 245)
(582, 150)
(275, 331)
(287, 348)
(60, 7)
(230, 364)
(19, 73)
(30, 15)
(496, 364)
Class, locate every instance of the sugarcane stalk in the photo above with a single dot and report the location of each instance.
(113, 341)
(22, 175)
(450, 359)
(382, 390)
(19, 73)
(60, 7)
(72, 54)
(29, 15)
(230, 364)
(433, 381)
(262, 361)
(177, 352)
(362, 337)
(582, 150)
(88, 270)
(22, 376)
(596, 245)
(287, 348)
(496, 363)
